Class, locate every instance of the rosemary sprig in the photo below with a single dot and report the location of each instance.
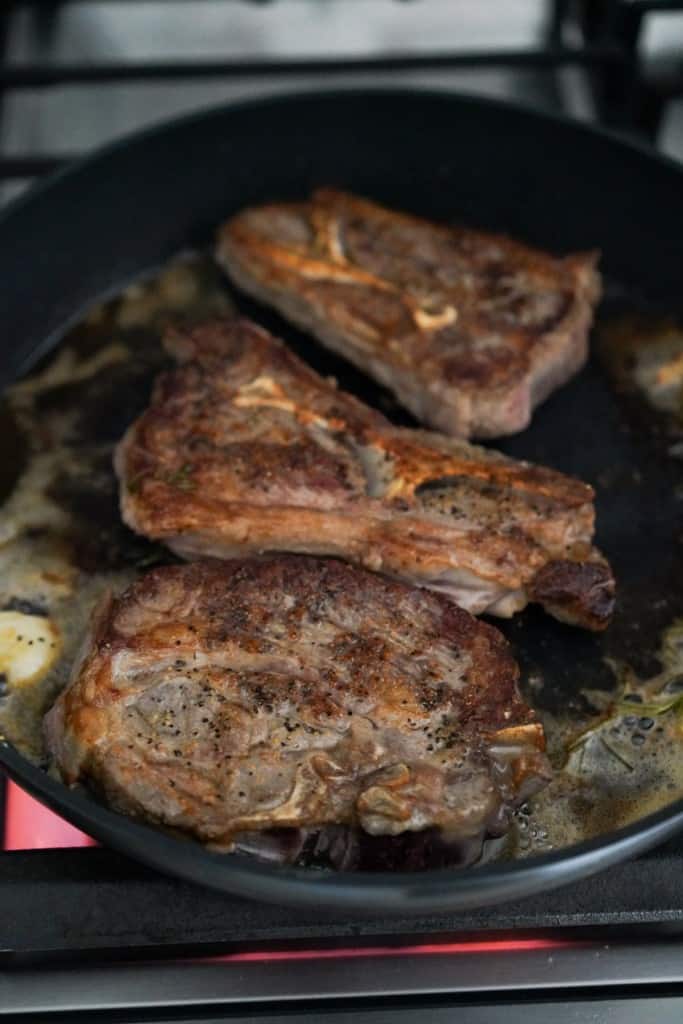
(653, 709)
(615, 753)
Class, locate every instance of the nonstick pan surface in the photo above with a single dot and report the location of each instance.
(130, 208)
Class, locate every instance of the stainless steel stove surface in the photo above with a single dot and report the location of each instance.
(88, 935)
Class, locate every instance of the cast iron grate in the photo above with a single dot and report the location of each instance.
(598, 37)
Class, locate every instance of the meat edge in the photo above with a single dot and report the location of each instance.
(450, 409)
(516, 749)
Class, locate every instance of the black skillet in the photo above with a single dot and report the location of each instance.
(132, 206)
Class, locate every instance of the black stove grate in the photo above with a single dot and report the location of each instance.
(598, 37)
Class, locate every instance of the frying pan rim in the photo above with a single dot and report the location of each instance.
(419, 891)
(147, 134)
(360, 891)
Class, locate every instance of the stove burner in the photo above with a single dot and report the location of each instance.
(31, 826)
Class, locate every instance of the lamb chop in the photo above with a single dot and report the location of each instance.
(471, 331)
(228, 699)
(245, 450)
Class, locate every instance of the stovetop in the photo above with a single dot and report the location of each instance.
(85, 929)
(86, 934)
(74, 75)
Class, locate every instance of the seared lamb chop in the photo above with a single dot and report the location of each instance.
(228, 698)
(471, 331)
(245, 450)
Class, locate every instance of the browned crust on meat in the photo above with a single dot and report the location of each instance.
(243, 450)
(296, 692)
(569, 590)
(470, 330)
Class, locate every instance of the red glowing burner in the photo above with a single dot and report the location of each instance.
(30, 826)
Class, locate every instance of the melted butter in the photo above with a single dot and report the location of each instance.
(66, 368)
(62, 543)
(625, 765)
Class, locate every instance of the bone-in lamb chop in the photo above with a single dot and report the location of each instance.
(470, 330)
(231, 698)
(245, 450)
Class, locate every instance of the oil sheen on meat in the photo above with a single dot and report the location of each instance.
(297, 693)
(245, 449)
(63, 546)
(470, 330)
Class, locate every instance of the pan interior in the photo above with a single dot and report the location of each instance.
(610, 703)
